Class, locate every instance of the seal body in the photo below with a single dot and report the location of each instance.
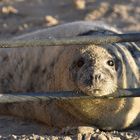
(93, 69)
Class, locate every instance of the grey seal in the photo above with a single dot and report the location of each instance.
(93, 69)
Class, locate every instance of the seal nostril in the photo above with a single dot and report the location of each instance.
(98, 77)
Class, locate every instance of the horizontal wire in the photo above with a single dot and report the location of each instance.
(82, 40)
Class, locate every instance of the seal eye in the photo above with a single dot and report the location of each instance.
(80, 62)
(111, 63)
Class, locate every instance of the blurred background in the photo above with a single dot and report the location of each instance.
(22, 16)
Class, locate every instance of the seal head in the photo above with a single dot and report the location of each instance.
(94, 71)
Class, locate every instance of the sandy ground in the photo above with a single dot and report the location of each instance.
(21, 16)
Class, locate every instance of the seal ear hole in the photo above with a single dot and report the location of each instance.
(80, 63)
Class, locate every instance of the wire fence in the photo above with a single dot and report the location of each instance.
(82, 40)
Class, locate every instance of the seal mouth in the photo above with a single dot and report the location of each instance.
(97, 89)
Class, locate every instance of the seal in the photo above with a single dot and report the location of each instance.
(94, 70)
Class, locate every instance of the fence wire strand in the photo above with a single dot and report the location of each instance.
(82, 40)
